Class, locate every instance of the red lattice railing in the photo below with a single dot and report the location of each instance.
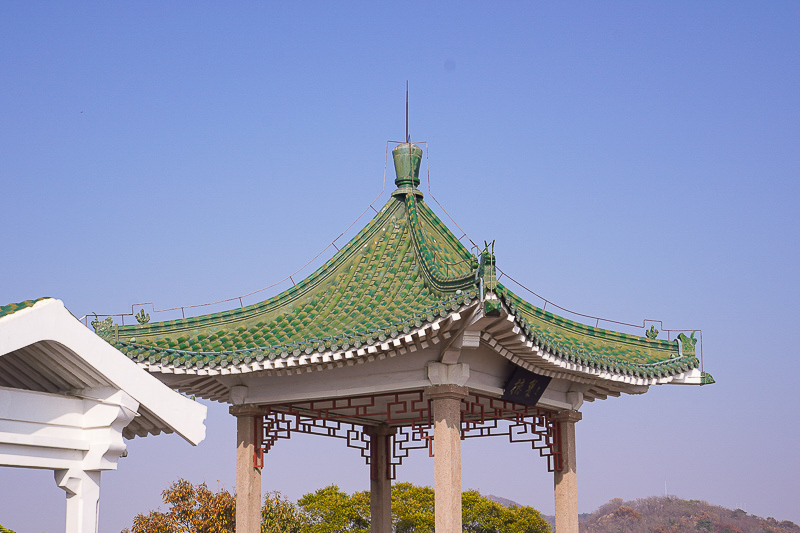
(410, 415)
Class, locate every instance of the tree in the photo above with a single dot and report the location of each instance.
(196, 509)
(193, 509)
(482, 515)
(279, 515)
(329, 510)
(412, 508)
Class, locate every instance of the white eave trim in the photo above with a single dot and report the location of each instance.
(691, 377)
(420, 338)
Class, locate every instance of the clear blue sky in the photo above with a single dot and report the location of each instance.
(631, 161)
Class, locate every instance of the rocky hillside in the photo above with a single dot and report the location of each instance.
(672, 515)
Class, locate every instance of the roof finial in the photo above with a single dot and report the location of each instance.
(407, 158)
(408, 137)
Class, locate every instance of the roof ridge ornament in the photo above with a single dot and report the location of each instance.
(487, 274)
(103, 327)
(142, 317)
(407, 159)
(487, 269)
(688, 344)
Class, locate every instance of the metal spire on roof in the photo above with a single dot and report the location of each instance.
(408, 137)
(407, 157)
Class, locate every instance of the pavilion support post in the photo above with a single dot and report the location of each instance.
(566, 480)
(380, 506)
(83, 499)
(446, 400)
(248, 476)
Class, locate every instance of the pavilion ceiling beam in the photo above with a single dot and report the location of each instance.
(8, 380)
(19, 372)
(503, 324)
(447, 323)
(204, 389)
(42, 376)
(504, 335)
(451, 356)
(592, 395)
(483, 322)
(44, 363)
(77, 367)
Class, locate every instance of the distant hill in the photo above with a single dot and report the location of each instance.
(503, 501)
(511, 503)
(551, 520)
(669, 514)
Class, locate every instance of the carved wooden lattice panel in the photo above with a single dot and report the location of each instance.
(409, 413)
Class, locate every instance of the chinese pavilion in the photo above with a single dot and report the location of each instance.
(403, 339)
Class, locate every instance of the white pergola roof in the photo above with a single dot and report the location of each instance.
(67, 399)
(43, 348)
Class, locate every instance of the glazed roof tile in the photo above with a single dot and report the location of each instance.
(403, 270)
(13, 308)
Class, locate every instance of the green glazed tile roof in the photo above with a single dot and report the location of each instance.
(603, 349)
(402, 270)
(13, 308)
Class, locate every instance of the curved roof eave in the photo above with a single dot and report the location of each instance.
(522, 345)
(515, 345)
(194, 380)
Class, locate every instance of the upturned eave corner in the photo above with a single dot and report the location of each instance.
(557, 347)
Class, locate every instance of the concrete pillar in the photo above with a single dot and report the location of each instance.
(83, 499)
(566, 481)
(446, 400)
(380, 506)
(248, 477)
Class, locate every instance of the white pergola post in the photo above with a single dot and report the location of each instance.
(248, 476)
(83, 499)
(566, 480)
(380, 506)
(95, 396)
(77, 437)
(446, 401)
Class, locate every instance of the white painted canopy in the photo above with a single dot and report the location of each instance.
(43, 348)
(67, 399)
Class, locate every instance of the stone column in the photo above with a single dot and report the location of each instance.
(446, 400)
(248, 477)
(566, 481)
(380, 506)
(83, 498)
